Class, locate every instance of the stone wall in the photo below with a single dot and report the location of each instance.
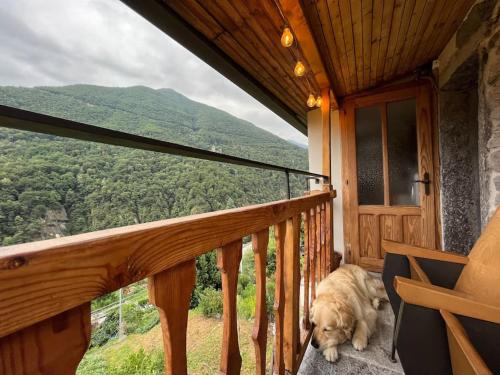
(458, 147)
(489, 121)
(469, 126)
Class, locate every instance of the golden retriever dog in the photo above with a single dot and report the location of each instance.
(346, 302)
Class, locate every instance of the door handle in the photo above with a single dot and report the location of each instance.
(427, 182)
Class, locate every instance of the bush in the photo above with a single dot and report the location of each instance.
(207, 276)
(139, 318)
(106, 331)
(246, 302)
(210, 302)
(138, 363)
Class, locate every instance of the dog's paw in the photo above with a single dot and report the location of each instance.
(359, 342)
(376, 303)
(331, 354)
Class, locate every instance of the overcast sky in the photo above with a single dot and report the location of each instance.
(103, 42)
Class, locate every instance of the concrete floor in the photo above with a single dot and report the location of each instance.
(374, 360)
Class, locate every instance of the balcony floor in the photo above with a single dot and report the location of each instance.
(374, 360)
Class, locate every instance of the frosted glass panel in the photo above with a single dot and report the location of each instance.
(402, 150)
(369, 156)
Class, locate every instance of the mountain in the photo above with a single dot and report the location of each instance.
(89, 186)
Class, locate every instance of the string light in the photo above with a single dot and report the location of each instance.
(319, 101)
(299, 69)
(311, 101)
(286, 38)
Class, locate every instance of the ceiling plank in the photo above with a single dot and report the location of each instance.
(402, 64)
(387, 20)
(357, 28)
(334, 10)
(321, 28)
(295, 16)
(402, 36)
(377, 18)
(397, 16)
(367, 11)
(345, 16)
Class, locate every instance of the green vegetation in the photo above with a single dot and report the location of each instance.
(100, 186)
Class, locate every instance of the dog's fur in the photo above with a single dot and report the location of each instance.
(346, 302)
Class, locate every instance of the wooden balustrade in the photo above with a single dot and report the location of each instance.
(46, 287)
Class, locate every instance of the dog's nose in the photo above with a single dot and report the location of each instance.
(314, 343)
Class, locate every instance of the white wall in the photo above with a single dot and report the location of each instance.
(315, 165)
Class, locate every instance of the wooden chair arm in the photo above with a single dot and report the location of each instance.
(464, 357)
(421, 252)
(434, 297)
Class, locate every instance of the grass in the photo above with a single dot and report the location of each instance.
(204, 340)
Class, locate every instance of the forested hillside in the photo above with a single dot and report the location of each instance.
(52, 186)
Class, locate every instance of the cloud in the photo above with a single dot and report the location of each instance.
(103, 42)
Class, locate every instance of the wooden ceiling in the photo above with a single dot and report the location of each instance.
(360, 44)
(367, 42)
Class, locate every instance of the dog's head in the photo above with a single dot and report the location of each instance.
(333, 322)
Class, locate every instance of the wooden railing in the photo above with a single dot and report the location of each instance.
(46, 287)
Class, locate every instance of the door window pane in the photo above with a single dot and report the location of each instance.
(402, 151)
(369, 156)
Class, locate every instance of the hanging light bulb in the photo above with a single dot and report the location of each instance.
(319, 101)
(299, 69)
(286, 37)
(311, 101)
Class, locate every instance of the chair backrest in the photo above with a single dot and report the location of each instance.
(481, 275)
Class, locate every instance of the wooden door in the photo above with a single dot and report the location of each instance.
(388, 170)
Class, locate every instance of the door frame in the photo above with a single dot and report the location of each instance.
(423, 92)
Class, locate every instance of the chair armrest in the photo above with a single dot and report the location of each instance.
(434, 297)
(464, 357)
(421, 252)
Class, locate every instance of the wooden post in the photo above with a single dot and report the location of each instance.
(305, 318)
(317, 211)
(312, 251)
(292, 289)
(170, 291)
(228, 262)
(329, 228)
(259, 335)
(326, 132)
(323, 241)
(279, 298)
(327, 170)
(53, 346)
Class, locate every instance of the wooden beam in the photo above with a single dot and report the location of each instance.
(464, 357)
(438, 298)
(326, 133)
(298, 22)
(421, 252)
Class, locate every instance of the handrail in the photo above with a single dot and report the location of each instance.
(36, 122)
(50, 283)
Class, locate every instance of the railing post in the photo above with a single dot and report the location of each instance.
(170, 291)
(329, 228)
(279, 299)
(259, 335)
(323, 241)
(305, 318)
(317, 213)
(312, 251)
(53, 346)
(228, 262)
(291, 341)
